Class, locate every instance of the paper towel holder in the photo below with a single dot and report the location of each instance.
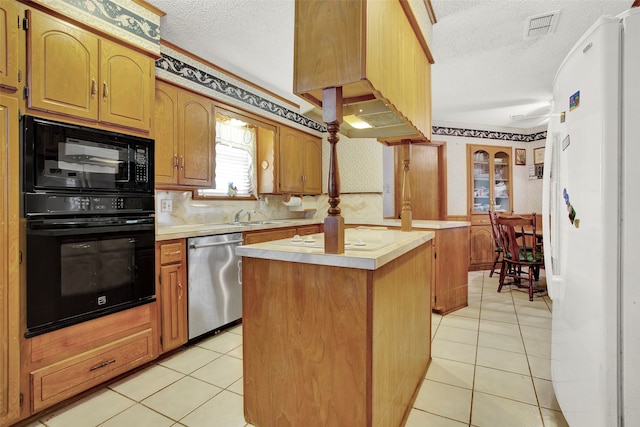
(298, 203)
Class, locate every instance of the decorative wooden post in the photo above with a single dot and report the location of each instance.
(334, 222)
(405, 213)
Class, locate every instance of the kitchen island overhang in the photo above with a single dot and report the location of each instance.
(336, 339)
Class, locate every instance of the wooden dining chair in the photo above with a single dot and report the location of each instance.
(522, 257)
(497, 242)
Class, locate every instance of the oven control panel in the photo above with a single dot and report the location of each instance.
(41, 204)
(92, 203)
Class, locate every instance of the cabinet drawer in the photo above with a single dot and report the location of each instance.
(480, 220)
(69, 377)
(308, 229)
(171, 253)
(266, 236)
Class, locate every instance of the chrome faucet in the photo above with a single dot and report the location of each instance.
(236, 218)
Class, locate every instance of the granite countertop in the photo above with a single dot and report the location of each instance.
(169, 232)
(367, 249)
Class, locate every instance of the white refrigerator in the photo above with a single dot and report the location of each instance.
(591, 223)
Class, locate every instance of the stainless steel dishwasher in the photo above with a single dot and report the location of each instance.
(215, 282)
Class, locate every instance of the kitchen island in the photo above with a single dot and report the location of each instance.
(336, 339)
(449, 276)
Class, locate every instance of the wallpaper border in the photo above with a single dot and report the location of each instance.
(219, 85)
(488, 134)
(130, 22)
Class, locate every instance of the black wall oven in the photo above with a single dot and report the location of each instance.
(90, 233)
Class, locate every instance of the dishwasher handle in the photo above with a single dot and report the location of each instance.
(208, 245)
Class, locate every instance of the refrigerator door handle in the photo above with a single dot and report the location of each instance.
(548, 198)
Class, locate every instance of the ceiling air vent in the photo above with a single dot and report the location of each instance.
(540, 25)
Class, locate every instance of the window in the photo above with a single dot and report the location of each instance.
(235, 154)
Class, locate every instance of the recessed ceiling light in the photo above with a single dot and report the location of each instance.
(356, 122)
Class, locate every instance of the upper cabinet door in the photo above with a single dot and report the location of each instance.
(63, 73)
(9, 33)
(312, 165)
(165, 127)
(502, 201)
(125, 86)
(196, 127)
(291, 157)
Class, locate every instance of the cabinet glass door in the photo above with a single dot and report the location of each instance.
(501, 200)
(481, 180)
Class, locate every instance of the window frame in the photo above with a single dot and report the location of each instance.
(229, 111)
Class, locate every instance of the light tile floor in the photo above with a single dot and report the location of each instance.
(490, 368)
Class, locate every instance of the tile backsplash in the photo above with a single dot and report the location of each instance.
(186, 210)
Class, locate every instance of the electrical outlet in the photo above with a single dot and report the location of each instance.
(166, 205)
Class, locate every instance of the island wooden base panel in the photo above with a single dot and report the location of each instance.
(335, 346)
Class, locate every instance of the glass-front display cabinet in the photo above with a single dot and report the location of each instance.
(490, 179)
(490, 187)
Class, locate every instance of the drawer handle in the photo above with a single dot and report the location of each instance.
(102, 365)
(173, 253)
(81, 246)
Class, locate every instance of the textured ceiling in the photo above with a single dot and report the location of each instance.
(485, 71)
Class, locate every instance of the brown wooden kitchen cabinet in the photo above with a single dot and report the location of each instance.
(300, 162)
(184, 136)
(76, 73)
(63, 363)
(10, 29)
(449, 275)
(172, 293)
(490, 187)
(9, 259)
(250, 237)
(372, 50)
(449, 287)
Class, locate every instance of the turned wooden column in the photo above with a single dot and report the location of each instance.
(405, 213)
(334, 222)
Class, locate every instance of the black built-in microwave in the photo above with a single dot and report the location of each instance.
(65, 157)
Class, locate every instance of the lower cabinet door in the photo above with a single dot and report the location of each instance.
(174, 306)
